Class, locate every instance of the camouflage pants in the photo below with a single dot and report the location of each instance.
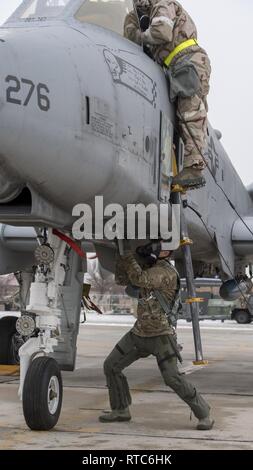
(131, 348)
(192, 114)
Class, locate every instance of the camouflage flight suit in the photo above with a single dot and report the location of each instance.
(151, 335)
(170, 25)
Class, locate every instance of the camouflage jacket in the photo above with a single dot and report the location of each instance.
(151, 318)
(170, 25)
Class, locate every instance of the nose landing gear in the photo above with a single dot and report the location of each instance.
(40, 376)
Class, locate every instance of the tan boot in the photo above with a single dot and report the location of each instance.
(205, 424)
(115, 416)
(189, 178)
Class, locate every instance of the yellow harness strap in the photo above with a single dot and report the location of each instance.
(179, 48)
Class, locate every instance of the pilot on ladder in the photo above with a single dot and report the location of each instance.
(156, 285)
(172, 39)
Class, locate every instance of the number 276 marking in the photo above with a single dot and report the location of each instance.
(13, 90)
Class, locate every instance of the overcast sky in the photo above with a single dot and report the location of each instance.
(225, 31)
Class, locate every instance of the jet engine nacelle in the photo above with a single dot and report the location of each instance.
(232, 290)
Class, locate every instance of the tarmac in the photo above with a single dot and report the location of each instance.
(160, 420)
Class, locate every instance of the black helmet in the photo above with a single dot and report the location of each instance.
(149, 252)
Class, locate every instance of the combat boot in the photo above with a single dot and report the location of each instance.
(189, 178)
(205, 424)
(115, 415)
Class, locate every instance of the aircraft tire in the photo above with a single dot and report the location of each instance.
(242, 317)
(8, 345)
(42, 394)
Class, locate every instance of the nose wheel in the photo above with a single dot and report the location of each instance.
(42, 394)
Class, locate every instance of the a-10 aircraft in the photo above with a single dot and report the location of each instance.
(85, 112)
